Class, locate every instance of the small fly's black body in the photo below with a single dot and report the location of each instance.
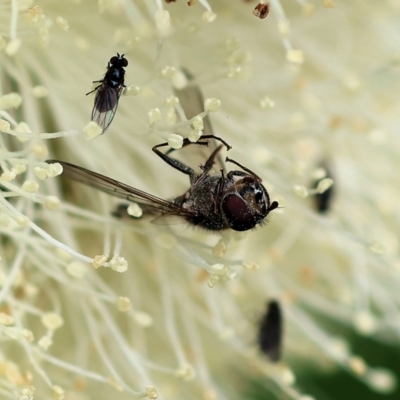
(271, 331)
(236, 200)
(109, 92)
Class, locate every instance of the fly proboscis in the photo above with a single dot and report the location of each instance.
(109, 91)
(235, 200)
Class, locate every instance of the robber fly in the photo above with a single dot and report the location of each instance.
(236, 200)
(270, 331)
(109, 91)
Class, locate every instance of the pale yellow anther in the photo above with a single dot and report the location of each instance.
(30, 186)
(154, 115)
(171, 116)
(365, 323)
(308, 9)
(45, 342)
(208, 16)
(250, 265)
(324, 185)
(58, 392)
(13, 46)
(287, 376)
(4, 126)
(194, 135)
(19, 168)
(54, 169)
(28, 335)
(22, 220)
(151, 392)
(77, 269)
(172, 101)
(212, 281)
(300, 191)
(179, 80)
(143, 319)
(27, 393)
(124, 304)
(218, 269)
(52, 320)
(98, 261)
(175, 141)
(10, 100)
(8, 176)
(219, 250)
(382, 380)
(118, 264)
(266, 102)
(23, 127)
(92, 130)
(295, 56)
(131, 90)
(40, 91)
(198, 123)
(6, 319)
(186, 372)
(62, 23)
(357, 365)
(168, 71)
(40, 173)
(163, 20)
(329, 3)
(134, 210)
(212, 104)
(52, 203)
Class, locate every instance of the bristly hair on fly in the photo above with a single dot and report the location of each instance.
(109, 91)
(270, 331)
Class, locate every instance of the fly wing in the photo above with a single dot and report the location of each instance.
(121, 190)
(105, 105)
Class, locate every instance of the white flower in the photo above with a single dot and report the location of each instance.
(289, 93)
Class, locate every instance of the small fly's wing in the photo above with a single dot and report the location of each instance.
(271, 331)
(105, 105)
(121, 190)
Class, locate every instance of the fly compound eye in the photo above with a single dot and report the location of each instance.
(239, 214)
(113, 60)
(124, 62)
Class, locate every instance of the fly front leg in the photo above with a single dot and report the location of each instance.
(172, 161)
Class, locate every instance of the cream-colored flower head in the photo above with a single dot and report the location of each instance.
(92, 307)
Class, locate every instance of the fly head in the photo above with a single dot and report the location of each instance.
(247, 204)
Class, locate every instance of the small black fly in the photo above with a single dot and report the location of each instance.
(236, 200)
(109, 91)
(270, 331)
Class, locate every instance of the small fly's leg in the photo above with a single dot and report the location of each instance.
(101, 81)
(184, 168)
(238, 173)
(187, 142)
(172, 162)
